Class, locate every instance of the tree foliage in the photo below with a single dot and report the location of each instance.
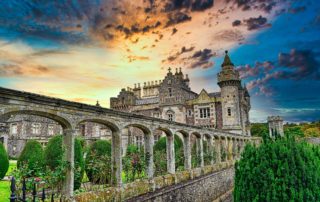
(54, 157)
(98, 162)
(4, 161)
(280, 170)
(32, 158)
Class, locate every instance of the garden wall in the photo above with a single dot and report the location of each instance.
(210, 183)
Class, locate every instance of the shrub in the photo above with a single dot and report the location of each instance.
(281, 170)
(32, 158)
(4, 161)
(98, 162)
(134, 163)
(54, 157)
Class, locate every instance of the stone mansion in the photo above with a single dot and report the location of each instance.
(170, 98)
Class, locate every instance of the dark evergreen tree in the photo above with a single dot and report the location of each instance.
(278, 170)
(4, 161)
(32, 158)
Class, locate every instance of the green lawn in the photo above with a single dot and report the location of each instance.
(5, 185)
(4, 191)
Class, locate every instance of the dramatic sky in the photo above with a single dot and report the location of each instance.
(87, 50)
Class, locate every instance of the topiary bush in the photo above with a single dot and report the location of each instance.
(31, 159)
(280, 170)
(98, 162)
(4, 161)
(54, 157)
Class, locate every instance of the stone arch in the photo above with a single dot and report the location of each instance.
(116, 142)
(186, 148)
(148, 146)
(169, 148)
(64, 122)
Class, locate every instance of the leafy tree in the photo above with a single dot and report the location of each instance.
(280, 170)
(259, 129)
(312, 132)
(32, 158)
(293, 130)
(98, 162)
(54, 158)
(4, 161)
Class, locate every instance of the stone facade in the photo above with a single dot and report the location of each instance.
(173, 99)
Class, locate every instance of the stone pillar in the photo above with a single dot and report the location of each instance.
(218, 149)
(187, 151)
(148, 148)
(116, 158)
(170, 154)
(201, 152)
(229, 145)
(210, 149)
(225, 148)
(68, 141)
(199, 145)
(234, 148)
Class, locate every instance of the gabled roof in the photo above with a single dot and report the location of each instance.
(203, 97)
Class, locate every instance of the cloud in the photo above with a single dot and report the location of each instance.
(236, 23)
(263, 5)
(301, 64)
(177, 18)
(256, 23)
(229, 35)
(193, 5)
(201, 59)
(295, 65)
(13, 70)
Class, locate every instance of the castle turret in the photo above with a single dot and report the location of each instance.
(275, 126)
(230, 84)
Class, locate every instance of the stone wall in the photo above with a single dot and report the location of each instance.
(313, 140)
(210, 183)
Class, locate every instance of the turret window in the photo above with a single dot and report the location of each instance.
(229, 111)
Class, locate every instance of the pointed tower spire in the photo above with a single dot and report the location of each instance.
(227, 60)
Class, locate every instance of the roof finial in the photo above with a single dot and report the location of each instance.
(226, 51)
(97, 104)
(180, 69)
(169, 69)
